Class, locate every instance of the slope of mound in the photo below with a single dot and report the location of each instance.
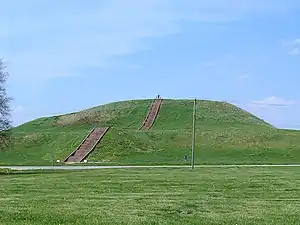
(174, 115)
(122, 146)
(125, 114)
(177, 114)
(221, 146)
(225, 135)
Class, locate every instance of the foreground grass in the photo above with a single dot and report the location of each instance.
(152, 196)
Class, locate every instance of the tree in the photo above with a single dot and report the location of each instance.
(5, 110)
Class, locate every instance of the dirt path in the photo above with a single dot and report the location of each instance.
(133, 167)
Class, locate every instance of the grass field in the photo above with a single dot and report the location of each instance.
(152, 196)
(225, 135)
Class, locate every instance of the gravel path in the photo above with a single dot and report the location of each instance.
(132, 167)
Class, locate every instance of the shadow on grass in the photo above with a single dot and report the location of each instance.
(31, 172)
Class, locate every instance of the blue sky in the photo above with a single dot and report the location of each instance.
(69, 55)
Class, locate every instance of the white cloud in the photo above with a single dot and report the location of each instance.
(18, 109)
(280, 117)
(273, 101)
(56, 38)
(209, 64)
(295, 51)
(230, 57)
(242, 77)
(281, 113)
(21, 114)
(297, 41)
(293, 46)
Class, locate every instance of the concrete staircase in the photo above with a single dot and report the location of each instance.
(87, 145)
(153, 112)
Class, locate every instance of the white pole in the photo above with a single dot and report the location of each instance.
(194, 135)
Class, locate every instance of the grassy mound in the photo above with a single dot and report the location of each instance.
(177, 114)
(225, 134)
(126, 114)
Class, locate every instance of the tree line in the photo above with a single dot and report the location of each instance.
(5, 110)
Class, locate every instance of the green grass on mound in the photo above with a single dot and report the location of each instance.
(177, 114)
(127, 114)
(225, 135)
(152, 196)
(230, 146)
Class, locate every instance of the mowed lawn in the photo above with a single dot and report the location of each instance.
(152, 196)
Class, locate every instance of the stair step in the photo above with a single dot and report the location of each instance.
(152, 114)
(87, 145)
